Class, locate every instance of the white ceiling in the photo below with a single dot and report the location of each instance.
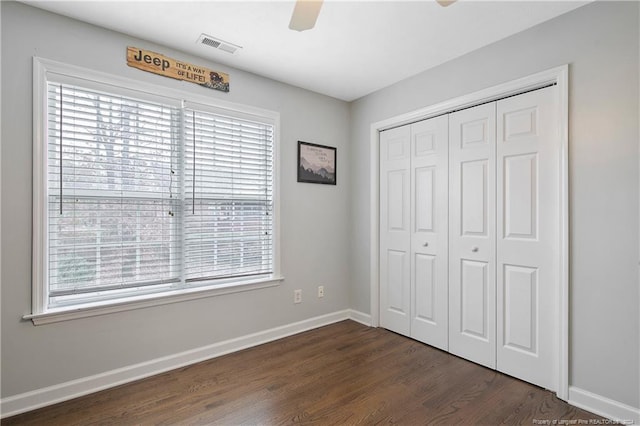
(356, 48)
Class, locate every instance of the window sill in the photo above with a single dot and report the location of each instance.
(102, 308)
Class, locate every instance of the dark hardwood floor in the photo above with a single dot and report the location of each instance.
(343, 373)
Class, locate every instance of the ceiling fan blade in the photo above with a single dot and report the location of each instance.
(445, 3)
(305, 14)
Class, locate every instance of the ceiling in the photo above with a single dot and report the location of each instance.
(356, 47)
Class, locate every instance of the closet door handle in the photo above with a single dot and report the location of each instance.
(425, 245)
(475, 249)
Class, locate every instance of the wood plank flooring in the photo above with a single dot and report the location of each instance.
(344, 373)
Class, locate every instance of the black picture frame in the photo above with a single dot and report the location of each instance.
(317, 163)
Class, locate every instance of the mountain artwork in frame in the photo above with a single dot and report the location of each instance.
(316, 163)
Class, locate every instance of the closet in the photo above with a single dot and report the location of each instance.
(469, 233)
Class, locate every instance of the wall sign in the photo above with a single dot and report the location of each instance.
(156, 63)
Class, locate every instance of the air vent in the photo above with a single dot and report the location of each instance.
(216, 43)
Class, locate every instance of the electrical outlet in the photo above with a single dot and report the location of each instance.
(297, 296)
(320, 291)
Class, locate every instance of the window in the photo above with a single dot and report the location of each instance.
(147, 195)
(228, 206)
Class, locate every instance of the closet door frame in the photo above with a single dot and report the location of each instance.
(558, 76)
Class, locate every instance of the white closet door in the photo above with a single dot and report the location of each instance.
(429, 231)
(528, 229)
(395, 237)
(472, 309)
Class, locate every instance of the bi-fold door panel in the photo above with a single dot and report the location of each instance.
(486, 290)
(429, 231)
(472, 309)
(395, 230)
(527, 235)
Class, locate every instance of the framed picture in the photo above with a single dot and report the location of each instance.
(316, 163)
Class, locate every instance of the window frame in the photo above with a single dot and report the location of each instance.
(45, 70)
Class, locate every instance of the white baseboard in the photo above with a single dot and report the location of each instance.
(360, 317)
(38, 398)
(602, 406)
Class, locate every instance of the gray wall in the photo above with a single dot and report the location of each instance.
(600, 42)
(314, 235)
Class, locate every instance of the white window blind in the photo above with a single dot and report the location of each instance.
(112, 193)
(145, 196)
(228, 207)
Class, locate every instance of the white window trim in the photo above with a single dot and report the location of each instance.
(145, 301)
(42, 69)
